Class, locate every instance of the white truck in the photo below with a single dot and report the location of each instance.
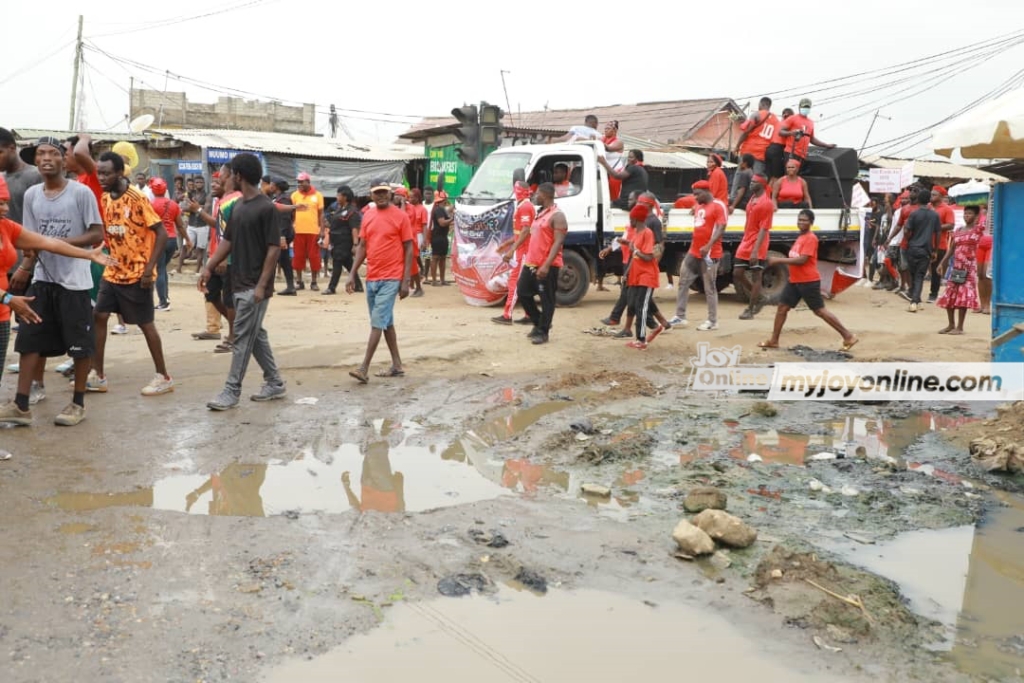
(593, 222)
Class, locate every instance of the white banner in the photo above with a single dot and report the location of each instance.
(907, 175)
(882, 180)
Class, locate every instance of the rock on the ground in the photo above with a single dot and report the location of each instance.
(692, 540)
(704, 498)
(596, 490)
(725, 528)
(997, 455)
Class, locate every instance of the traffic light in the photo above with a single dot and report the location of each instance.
(468, 133)
(490, 124)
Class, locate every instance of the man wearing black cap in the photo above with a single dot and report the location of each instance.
(67, 210)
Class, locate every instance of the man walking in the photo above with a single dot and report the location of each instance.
(198, 232)
(67, 210)
(174, 225)
(946, 221)
(136, 237)
(343, 237)
(386, 245)
(921, 234)
(753, 249)
(704, 256)
(309, 230)
(539, 276)
(252, 238)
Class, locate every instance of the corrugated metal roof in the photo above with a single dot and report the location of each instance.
(934, 169)
(661, 121)
(28, 134)
(294, 145)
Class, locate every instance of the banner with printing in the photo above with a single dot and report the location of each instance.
(479, 270)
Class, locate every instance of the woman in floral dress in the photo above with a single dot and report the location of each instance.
(959, 296)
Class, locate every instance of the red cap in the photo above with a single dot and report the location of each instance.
(5, 192)
(717, 158)
(701, 185)
(941, 190)
(639, 213)
(687, 202)
(216, 174)
(440, 195)
(302, 176)
(761, 179)
(158, 185)
(402, 192)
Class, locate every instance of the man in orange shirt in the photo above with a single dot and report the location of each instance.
(798, 131)
(947, 220)
(757, 135)
(136, 237)
(542, 263)
(386, 245)
(309, 231)
(642, 277)
(514, 250)
(753, 248)
(704, 256)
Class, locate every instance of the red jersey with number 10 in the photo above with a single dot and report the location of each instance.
(761, 133)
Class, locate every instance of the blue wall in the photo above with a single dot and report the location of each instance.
(1008, 269)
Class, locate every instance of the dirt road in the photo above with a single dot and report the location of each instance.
(160, 542)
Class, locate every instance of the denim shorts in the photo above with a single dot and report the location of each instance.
(380, 297)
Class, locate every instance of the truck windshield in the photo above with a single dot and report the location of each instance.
(493, 180)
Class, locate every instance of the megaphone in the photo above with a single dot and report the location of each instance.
(126, 151)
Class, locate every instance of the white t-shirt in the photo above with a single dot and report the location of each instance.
(583, 133)
(897, 236)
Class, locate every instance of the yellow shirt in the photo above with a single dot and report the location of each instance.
(308, 222)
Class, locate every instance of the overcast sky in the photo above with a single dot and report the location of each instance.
(415, 58)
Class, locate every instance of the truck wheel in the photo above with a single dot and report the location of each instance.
(774, 280)
(573, 279)
(721, 282)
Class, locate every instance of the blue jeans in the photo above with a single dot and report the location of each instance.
(161, 270)
(380, 298)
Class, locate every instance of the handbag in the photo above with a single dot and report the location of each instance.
(958, 276)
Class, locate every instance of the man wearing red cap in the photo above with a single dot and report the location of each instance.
(716, 179)
(947, 220)
(309, 231)
(754, 248)
(174, 224)
(441, 219)
(642, 277)
(703, 258)
(515, 249)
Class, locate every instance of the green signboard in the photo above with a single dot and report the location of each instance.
(444, 163)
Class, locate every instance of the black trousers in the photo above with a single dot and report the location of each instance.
(531, 286)
(622, 303)
(936, 275)
(918, 261)
(285, 261)
(339, 261)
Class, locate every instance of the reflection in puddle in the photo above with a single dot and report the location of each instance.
(970, 580)
(387, 475)
(559, 637)
(502, 428)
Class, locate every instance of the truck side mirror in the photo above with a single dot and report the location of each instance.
(519, 175)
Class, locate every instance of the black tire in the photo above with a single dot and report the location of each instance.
(774, 280)
(573, 279)
(723, 280)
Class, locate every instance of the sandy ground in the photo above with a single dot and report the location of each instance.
(106, 579)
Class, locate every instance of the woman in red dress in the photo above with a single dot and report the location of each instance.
(961, 290)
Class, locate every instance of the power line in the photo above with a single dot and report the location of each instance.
(151, 26)
(37, 62)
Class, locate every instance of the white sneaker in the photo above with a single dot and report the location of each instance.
(707, 326)
(13, 369)
(158, 385)
(36, 394)
(677, 322)
(65, 366)
(95, 384)
(670, 287)
(119, 329)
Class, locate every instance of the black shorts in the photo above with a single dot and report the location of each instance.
(219, 288)
(775, 160)
(439, 247)
(134, 303)
(67, 326)
(810, 292)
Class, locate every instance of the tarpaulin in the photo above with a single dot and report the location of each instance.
(480, 272)
(328, 174)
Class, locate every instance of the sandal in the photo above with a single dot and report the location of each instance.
(849, 345)
(767, 345)
(359, 376)
(224, 347)
(391, 372)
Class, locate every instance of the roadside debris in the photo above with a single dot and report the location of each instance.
(997, 455)
(822, 645)
(460, 585)
(596, 490)
(725, 528)
(705, 498)
(692, 540)
(532, 580)
(491, 539)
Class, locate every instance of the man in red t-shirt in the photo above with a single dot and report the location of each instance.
(757, 135)
(754, 247)
(174, 224)
(514, 250)
(947, 219)
(798, 131)
(543, 260)
(642, 277)
(705, 253)
(804, 284)
(385, 243)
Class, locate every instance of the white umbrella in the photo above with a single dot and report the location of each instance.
(994, 130)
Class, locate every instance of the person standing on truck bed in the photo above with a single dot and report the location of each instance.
(613, 153)
(754, 248)
(588, 131)
(790, 191)
(757, 135)
(705, 253)
(740, 193)
(543, 261)
(716, 178)
(633, 176)
(798, 130)
(804, 283)
(775, 155)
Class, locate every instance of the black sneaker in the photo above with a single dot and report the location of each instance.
(608, 322)
(524, 321)
(314, 287)
(905, 294)
(501, 320)
(287, 292)
(166, 306)
(327, 292)
(533, 333)
(300, 285)
(933, 298)
(540, 338)
(746, 314)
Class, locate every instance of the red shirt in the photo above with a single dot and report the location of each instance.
(799, 122)
(719, 185)
(629, 236)
(92, 181)
(523, 219)
(417, 217)
(760, 212)
(946, 217)
(705, 218)
(762, 133)
(542, 238)
(9, 233)
(643, 273)
(904, 216)
(384, 232)
(168, 212)
(806, 243)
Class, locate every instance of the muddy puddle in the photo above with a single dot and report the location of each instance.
(969, 578)
(393, 472)
(562, 636)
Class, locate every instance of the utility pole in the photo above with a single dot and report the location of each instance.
(870, 128)
(74, 80)
(508, 105)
